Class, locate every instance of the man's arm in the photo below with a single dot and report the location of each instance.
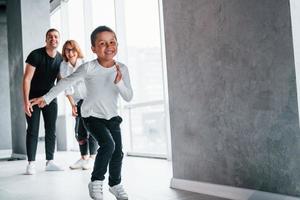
(27, 77)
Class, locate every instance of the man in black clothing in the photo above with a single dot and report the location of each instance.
(41, 71)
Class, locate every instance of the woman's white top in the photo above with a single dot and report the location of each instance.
(78, 90)
(101, 92)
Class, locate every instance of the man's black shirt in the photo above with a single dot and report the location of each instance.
(46, 71)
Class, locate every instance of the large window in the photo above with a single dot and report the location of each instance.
(147, 126)
(138, 28)
(76, 22)
(103, 13)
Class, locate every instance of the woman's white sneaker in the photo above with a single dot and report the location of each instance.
(119, 192)
(79, 164)
(96, 190)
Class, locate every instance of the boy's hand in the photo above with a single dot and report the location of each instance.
(28, 108)
(119, 74)
(40, 101)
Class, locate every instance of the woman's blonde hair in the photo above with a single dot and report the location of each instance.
(74, 45)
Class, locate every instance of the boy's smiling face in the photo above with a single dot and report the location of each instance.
(106, 46)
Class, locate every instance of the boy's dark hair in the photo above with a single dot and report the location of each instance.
(100, 29)
(51, 30)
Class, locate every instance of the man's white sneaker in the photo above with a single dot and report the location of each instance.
(30, 169)
(52, 166)
(96, 190)
(79, 164)
(88, 164)
(119, 192)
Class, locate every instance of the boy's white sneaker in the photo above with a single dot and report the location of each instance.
(30, 169)
(79, 164)
(88, 164)
(96, 190)
(119, 192)
(52, 166)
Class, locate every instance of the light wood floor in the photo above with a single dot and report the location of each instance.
(143, 178)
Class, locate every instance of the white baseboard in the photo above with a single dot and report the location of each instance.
(19, 156)
(147, 155)
(226, 191)
(6, 153)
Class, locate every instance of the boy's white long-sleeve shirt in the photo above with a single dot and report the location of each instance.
(101, 92)
(78, 90)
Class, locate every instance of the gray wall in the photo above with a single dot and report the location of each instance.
(5, 133)
(15, 56)
(232, 91)
(27, 23)
(35, 23)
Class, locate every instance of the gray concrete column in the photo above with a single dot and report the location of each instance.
(27, 23)
(5, 123)
(15, 57)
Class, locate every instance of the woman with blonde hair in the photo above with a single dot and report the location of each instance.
(72, 60)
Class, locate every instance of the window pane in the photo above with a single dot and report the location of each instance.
(143, 46)
(145, 114)
(76, 22)
(103, 13)
(148, 129)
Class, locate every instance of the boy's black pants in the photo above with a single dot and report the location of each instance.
(108, 135)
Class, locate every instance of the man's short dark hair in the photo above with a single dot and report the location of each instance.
(51, 30)
(100, 29)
